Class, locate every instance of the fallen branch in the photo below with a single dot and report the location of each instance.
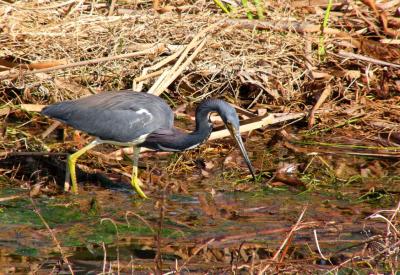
(257, 123)
(367, 59)
(32, 66)
(159, 48)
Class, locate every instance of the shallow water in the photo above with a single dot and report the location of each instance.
(204, 212)
(236, 225)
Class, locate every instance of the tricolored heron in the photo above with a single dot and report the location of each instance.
(128, 118)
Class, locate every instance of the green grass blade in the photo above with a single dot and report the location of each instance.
(321, 46)
(221, 6)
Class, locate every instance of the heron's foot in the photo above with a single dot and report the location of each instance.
(136, 183)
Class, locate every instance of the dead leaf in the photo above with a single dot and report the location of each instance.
(288, 173)
(261, 112)
(397, 85)
(204, 173)
(209, 165)
(35, 190)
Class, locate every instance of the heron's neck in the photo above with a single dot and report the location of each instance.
(203, 126)
(176, 140)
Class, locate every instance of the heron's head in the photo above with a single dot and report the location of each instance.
(231, 120)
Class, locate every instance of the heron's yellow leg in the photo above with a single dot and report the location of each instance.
(135, 181)
(72, 162)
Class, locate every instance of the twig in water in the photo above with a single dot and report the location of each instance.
(158, 236)
(140, 218)
(289, 236)
(53, 236)
(116, 229)
(317, 244)
(194, 254)
(104, 257)
(28, 154)
(10, 198)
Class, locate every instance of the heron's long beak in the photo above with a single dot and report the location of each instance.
(236, 135)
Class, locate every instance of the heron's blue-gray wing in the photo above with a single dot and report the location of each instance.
(116, 116)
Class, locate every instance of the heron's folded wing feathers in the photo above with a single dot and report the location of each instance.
(118, 116)
(122, 125)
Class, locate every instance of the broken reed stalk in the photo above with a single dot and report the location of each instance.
(170, 75)
(112, 7)
(325, 94)
(50, 129)
(181, 68)
(138, 82)
(31, 107)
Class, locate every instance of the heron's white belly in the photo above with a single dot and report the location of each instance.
(139, 140)
(193, 146)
